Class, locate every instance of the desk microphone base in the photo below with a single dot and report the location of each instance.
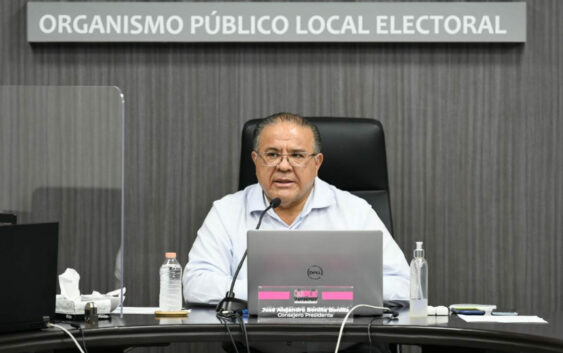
(231, 306)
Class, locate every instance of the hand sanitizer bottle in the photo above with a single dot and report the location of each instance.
(419, 283)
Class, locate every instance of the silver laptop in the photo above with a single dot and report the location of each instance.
(333, 258)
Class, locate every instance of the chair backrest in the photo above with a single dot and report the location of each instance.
(354, 159)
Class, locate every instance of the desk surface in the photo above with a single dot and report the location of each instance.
(201, 326)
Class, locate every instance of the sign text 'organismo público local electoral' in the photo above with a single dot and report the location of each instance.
(275, 22)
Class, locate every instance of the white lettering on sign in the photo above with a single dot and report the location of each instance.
(116, 24)
(217, 24)
(436, 24)
(334, 25)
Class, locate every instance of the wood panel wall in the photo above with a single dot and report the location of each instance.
(473, 134)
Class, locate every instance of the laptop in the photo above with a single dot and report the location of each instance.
(316, 259)
(28, 268)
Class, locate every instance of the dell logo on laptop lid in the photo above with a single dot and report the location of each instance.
(315, 272)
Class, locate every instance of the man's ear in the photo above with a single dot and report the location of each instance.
(318, 161)
(254, 155)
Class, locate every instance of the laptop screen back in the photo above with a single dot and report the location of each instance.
(317, 258)
(28, 267)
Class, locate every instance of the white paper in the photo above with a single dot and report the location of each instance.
(503, 319)
(142, 310)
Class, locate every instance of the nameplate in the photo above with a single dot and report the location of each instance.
(304, 303)
(276, 22)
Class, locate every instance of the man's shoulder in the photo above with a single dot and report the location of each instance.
(343, 197)
(235, 200)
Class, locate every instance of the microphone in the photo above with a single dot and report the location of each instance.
(229, 306)
(275, 203)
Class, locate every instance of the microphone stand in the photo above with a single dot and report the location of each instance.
(229, 306)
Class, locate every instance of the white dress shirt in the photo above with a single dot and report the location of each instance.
(221, 240)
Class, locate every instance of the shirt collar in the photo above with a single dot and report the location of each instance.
(321, 196)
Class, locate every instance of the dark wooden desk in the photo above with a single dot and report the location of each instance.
(202, 326)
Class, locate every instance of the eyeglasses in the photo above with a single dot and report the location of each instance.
(295, 159)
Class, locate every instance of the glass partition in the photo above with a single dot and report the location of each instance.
(61, 159)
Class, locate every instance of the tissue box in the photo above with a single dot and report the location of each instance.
(69, 307)
(71, 303)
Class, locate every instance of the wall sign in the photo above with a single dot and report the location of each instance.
(276, 22)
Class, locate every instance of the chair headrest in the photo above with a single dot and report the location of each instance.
(353, 148)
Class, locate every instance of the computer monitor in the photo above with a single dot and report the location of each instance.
(28, 269)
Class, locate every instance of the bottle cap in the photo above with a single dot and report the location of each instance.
(419, 251)
(170, 255)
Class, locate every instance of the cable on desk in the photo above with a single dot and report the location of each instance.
(369, 335)
(68, 333)
(77, 326)
(83, 339)
(224, 322)
(394, 317)
(348, 315)
(243, 329)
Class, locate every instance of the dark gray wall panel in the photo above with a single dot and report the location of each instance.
(473, 133)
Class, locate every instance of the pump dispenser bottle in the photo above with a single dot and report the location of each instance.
(419, 283)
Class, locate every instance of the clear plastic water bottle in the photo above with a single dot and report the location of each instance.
(419, 283)
(170, 284)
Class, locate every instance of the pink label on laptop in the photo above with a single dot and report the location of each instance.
(306, 293)
(273, 295)
(348, 295)
(304, 303)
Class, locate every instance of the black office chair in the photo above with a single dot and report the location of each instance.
(354, 160)
(8, 219)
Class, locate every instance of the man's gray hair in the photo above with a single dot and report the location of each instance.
(289, 117)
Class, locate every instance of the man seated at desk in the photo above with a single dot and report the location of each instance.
(287, 155)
